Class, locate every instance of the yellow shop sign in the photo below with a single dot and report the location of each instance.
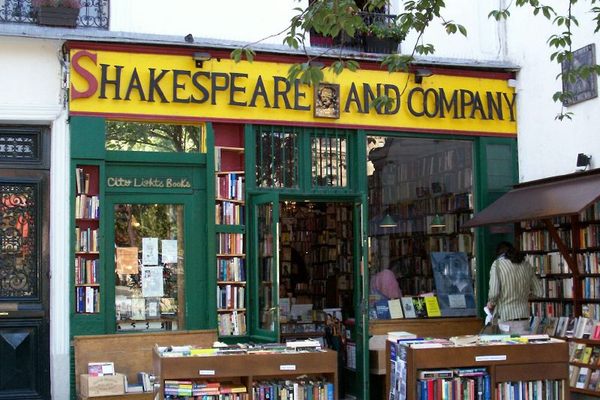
(164, 86)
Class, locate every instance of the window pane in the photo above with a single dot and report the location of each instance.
(149, 266)
(420, 195)
(276, 158)
(153, 137)
(329, 162)
(266, 267)
(18, 244)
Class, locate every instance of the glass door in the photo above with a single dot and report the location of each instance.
(264, 212)
(147, 240)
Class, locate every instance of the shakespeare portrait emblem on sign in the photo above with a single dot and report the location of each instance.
(327, 100)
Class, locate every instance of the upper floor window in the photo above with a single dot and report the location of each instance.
(154, 137)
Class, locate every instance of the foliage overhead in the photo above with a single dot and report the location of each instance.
(339, 19)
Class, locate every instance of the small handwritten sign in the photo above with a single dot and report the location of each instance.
(146, 183)
(287, 367)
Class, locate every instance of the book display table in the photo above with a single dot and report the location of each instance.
(255, 370)
(501, 369)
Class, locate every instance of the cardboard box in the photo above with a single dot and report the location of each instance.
(377, 362)
(108, 385)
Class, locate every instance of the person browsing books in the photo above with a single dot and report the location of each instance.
(512, 281)
(385, 283)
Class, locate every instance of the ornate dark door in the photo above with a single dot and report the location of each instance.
(24, 264)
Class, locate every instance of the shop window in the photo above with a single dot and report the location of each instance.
(420, 195)
(154, 137)
(149, 265)
(329, 160)
(277, 157)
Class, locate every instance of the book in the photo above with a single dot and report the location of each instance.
(395, 309)
(382, 309)
(578, 352)
(101, 368)
(436, 374)
(432, 306)
(582, 378)
(419, 306)
(408, 307)
(593, 381)
(587, 352)
(595, 356)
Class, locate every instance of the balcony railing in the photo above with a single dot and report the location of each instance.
(93, 13)
(361, 41)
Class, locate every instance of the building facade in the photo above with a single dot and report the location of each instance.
(70, 97)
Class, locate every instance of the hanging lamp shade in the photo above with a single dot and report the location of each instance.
(387, 222)
(437, 222)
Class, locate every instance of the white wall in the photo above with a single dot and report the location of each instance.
(548, 147)
(31, 82)
(241, 20)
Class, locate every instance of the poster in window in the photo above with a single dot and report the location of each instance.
(149, 251)
(152, 281)
(169, 251)
(453, 283)
(126, 260)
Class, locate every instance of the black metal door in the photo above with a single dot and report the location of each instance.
(24, 264)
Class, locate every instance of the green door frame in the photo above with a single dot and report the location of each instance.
(354, 194)
(195, 281)
(253, 201)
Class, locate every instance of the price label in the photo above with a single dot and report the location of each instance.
(207, 372)
(287, 367)
(499, 357)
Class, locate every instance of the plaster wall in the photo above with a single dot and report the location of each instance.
(31, 95)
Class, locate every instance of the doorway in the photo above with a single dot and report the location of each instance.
(306, 274)
(316, 280)
(24, 263)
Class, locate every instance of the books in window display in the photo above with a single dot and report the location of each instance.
(453, 283)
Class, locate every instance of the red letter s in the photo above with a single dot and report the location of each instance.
(85, 74)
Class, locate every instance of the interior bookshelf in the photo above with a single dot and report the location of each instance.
(315, 265)
(86, 238)
(230, 207)
(495, 371)
(432, 183)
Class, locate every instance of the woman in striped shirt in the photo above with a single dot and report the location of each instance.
(512, 281)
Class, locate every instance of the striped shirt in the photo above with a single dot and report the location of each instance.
(510, 288)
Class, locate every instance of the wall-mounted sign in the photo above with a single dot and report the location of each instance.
(147, 183)
(582, 87)
(171, 86)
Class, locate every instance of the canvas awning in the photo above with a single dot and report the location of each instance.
(541, 199)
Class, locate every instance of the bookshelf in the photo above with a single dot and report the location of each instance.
(507, 365)
(564, 251)
(86, 238)
(568, 290)
(307, 370)
(315, 264)
(230, 215)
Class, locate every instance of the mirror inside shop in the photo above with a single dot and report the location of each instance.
(420, 195)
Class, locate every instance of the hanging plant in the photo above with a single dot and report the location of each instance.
(57, 12)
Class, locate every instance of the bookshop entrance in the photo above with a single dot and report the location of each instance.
(307, 289)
